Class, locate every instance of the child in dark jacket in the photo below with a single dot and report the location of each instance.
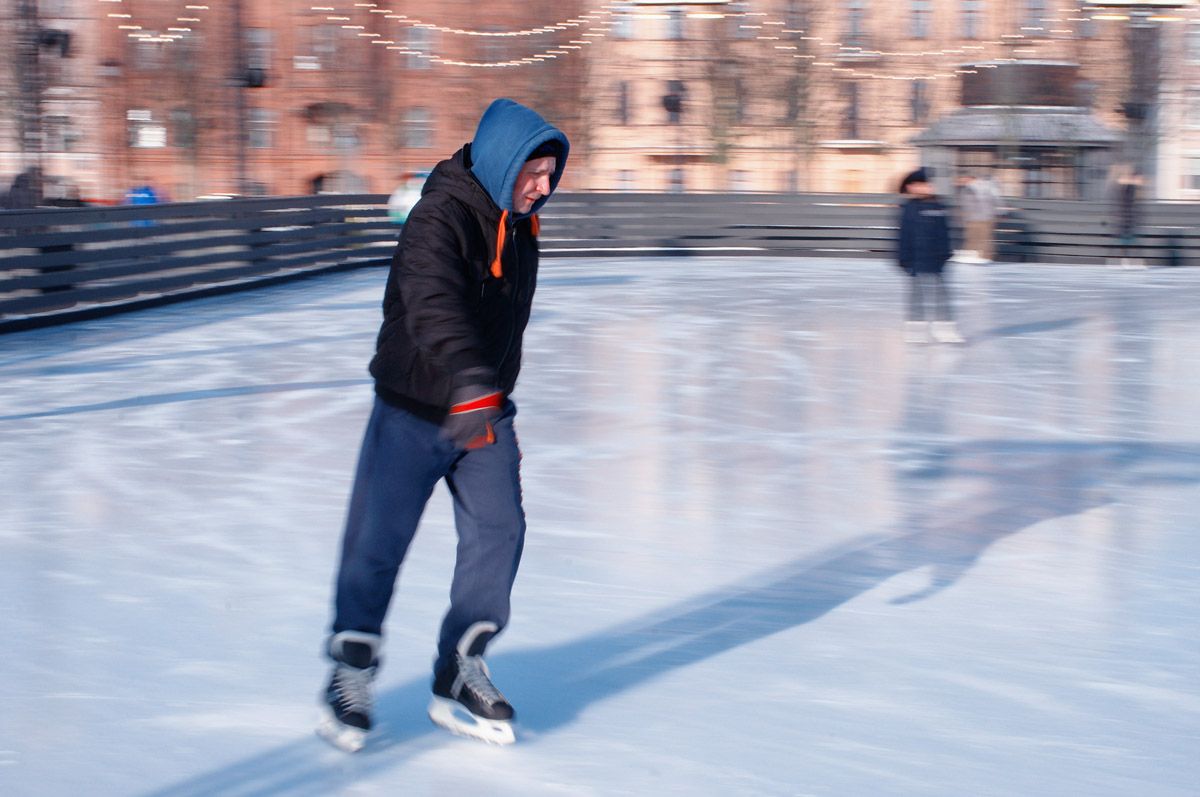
(922, 249)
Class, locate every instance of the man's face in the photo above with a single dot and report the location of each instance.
(533, 183)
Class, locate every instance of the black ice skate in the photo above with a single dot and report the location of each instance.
(346, 712)
(464, 699)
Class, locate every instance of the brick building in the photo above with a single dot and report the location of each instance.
(289, 97)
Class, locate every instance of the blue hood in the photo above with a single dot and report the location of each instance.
(507, 135)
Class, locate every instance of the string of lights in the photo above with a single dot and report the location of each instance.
(574, 22)
(599, 22)
(173, 33)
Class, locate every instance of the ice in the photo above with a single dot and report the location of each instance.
(773, 549)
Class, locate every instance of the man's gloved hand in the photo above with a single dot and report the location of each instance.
(473, 410)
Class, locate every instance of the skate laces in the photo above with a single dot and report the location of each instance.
(353, 688)
(473, 675)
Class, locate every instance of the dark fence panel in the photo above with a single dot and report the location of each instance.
(64, 264)
(852, 225)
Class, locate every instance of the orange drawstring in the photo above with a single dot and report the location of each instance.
(497, 269)
(502, 234)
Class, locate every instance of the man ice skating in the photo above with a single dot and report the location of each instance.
(455, 308)
(922, 249)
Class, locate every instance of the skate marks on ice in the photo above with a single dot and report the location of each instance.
(1020, 484)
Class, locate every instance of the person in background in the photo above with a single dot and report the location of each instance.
(142, 194)
(1128, 190)
(457, 301)
(980, 204)
(922, 249)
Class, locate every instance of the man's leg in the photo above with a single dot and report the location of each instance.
(402, 459)
(485, 484)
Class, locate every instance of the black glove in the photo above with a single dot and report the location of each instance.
(473, 410)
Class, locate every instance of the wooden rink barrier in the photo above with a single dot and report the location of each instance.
(59, 265)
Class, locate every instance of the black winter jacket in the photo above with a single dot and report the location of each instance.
(450, 320)
(924, 241)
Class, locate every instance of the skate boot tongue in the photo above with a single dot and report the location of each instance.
(357, 654)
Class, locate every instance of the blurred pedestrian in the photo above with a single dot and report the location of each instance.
(922, 249)
(980, 204)
(402, 200)
(25, 192)
(142, 194)
(447, 356)
(1128, 214)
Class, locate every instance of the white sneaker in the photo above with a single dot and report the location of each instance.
(916, 332)
(946, 332)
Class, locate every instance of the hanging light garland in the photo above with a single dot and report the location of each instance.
(174, 33)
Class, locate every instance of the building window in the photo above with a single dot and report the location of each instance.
(417, 128)
(676, 22)
(972, 19)
(56, 9)
(918, 104)
(789, 182)
(493, 49)
(796, 15)
(626, 180)
(623, 21)
(1191, 173)
(345, 137)
(261, 129)
(420, 47)
(741, 181)
(738, 24)
(322, 48)
(183, 128)
(919, 22)
(258, 48)
(1191, 110)
(1193, 43)
(856, 22)
(623, 102)
(147, 55)
(851, 112)
(318, 135)
(675, 181)
(1033, 18)
(62, 135)
(143, 131)
(673, 101)
(186, 53)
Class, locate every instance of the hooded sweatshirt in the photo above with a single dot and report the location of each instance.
(462, 279)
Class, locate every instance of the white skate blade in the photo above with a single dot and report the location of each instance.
(453, 717)
(343, 737)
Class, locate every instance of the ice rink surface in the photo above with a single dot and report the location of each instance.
(773, 550)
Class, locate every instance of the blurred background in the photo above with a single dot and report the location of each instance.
(100, 99)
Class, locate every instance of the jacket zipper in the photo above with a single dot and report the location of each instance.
(512, 327)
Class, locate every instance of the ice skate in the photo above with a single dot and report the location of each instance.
(916, 332)
(346, 710)
(946, 332)
(465, 701)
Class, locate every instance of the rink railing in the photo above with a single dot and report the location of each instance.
(65, 264)
(848, 225)
(71, 263)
